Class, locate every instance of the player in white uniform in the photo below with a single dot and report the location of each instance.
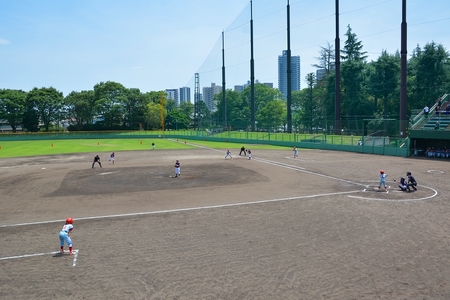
(382, 180)
(64, 235)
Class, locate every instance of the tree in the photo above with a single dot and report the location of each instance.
(384, 83)
(272, 115)
(187, 108)
(326, 59)
(47, 102)
(202, 116)
(238, 110)
(263, 95)
(135, 105)
(353, 80)
(80, 107)
(110, 97)
(176, 119)
(352, 47)
(153, 116)
(429, 73)
(12, 106)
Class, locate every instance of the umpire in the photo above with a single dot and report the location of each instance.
(411, 182)
(243, 150)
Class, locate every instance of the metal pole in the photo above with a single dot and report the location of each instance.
(337, 102)
(224, 99)
(289, 72)
(252, 72)
(403, 53)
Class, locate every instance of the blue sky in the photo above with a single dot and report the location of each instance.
(153, 45)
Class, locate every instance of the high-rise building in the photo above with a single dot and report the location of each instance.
(208, 96)
(172, 94)
(282, 73)
(185, 94)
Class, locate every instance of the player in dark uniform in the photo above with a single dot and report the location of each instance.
(411, 182)
(96, 160)
(177, 169)
(402, 184)
(243, 150)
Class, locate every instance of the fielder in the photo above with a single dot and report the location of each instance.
(111, 157)
(177, 168)
(228, 154)
(64, 235)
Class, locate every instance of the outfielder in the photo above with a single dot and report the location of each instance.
(64, 235)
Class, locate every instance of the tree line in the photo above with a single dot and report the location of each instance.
(369, 90)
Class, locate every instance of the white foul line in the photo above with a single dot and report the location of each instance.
(75, 256)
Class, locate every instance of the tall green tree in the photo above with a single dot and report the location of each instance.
(238, 110)
(80, 107)
(272, 116)
(48, 103)
(12, 107)
(384, 83)
(263, 95)
(110, 98)
(429, 71)
(353, 77)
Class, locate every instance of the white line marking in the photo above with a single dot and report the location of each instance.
(75, 256)
(106, 173)
(183, 209)
(401, 200)
(75, 252)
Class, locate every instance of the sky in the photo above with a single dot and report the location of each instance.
(154, 45)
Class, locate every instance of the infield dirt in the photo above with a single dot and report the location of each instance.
(273, 227)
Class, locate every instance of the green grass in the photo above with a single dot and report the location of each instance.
(51, 147)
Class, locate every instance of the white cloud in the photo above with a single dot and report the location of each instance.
(4, 41)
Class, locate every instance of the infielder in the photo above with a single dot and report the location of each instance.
(382, 180)
(228, 154)
(111, 157)
(64, 235)
(177, 168)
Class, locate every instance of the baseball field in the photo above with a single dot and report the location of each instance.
(272, 227)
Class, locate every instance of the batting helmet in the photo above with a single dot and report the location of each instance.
(69, 221)
(408, 173)
(381, 172)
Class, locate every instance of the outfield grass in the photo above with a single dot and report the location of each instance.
(49, 147)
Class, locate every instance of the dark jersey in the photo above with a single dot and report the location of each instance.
(411, 179)
(177, 164)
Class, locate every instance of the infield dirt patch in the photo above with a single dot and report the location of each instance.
(272, 227)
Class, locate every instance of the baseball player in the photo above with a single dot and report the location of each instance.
(111, 157)
(64, 235)
(295, 152)
(97, 160)
(402, 184)
(411, 182)
(177, 168)
(382, 180)
(228, 154)
(249, 152)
